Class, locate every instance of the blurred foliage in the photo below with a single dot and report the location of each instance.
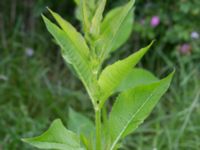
(178, 25)
(36, 87)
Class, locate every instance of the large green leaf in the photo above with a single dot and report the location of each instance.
(107, 38)
(74, 51)
(136, 77)
(56, 137)
(133, 106)
(114, 74)
(124, 30)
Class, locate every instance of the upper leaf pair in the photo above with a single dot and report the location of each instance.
(85, 11)
(76, 51)
(108, 33)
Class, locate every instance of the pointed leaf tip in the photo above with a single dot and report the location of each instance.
(56, 137)
(133, 106)
(108, 37)
(50, 11)
(114, 74)
(75, 50)
(124, 30)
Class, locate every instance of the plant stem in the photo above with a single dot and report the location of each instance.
(98, 128)
(104, 115)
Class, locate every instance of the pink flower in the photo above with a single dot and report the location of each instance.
(155, 21)
(185, 48)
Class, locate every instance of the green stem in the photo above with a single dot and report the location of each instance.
(104, 115)
(98, 128)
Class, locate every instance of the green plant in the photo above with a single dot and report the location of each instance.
(138, 90)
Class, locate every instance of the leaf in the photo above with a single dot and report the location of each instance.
(56, 137)
(136, 77)
(85, 11)
(124, 30)
(74, 37)
(114, 74)
(107, 38)
(96, 21)
(77, 2)
(74, 51)
(85, 15)
(83, 126)
(133, 106)
(80, 124)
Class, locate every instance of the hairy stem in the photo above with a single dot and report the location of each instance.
(98, 128)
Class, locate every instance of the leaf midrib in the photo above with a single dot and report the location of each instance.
(111, 41)
(125, 127)
(64, 23)
(62, 144)
(77, 47)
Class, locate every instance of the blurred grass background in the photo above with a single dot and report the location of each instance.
(37, 87)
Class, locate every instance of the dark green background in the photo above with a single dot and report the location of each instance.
(34, 90)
